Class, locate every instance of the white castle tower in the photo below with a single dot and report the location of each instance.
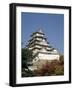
(41, 48)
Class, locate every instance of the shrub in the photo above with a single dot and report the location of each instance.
(61, 59)
(55, 67)
(26, 57)
(28, 73)
(59, 70)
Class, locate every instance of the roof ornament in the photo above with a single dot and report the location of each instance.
(40, 30)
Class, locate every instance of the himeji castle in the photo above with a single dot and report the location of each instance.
(41, 48)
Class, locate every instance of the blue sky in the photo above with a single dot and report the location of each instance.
(52, 25)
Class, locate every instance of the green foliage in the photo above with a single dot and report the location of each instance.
(59, 70)
(26, 54)
(27, 73)
(61, 59)
(26, 57)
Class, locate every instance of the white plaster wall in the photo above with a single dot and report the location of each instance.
(48, 57)
(35, 51)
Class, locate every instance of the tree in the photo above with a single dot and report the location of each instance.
(52, 68)
(26, 57)
(62, 59)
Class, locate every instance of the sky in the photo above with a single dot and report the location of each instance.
(51, 24)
